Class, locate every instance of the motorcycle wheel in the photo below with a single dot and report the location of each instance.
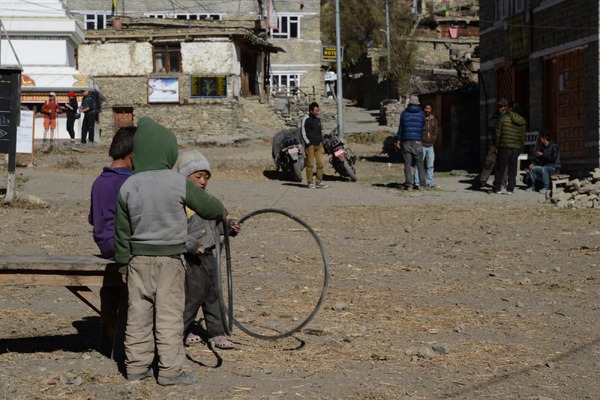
(297, 172)
(350, 171)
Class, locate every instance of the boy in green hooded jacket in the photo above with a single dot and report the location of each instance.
(150, 235)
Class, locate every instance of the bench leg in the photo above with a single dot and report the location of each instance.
(118, 346)
(110, 297)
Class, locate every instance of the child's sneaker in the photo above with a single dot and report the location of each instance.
(185, 378)
(321, 185)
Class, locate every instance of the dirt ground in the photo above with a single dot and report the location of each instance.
(437, 294)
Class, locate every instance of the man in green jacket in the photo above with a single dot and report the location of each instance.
(510, 139)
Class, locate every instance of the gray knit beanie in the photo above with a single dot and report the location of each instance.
(192, 161)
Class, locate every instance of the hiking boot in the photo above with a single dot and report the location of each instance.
(321, 185)
(139, 377)
(184, 378)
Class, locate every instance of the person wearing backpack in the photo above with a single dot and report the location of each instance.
(88, 108)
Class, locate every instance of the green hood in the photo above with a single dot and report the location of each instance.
(154, 147)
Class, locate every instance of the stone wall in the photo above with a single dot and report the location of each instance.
(390, 112)
(434, 52)
(115, 59)
(189, 120)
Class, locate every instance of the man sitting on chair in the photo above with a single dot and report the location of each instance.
(546, 162)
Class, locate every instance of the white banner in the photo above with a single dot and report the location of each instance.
(25, 133)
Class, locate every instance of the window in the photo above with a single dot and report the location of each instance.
(284, 82)
(95, 21)
(167, 58)
(185, 16)
(288, 27)
(506, 8)
(519, 5)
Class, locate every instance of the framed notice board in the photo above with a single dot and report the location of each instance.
(211, 86)
(163, 90)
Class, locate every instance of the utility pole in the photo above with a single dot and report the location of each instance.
(387, 36)
(338, 60)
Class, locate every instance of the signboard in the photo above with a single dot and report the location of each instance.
(10, 92)
(329, 53)
(208, 86)
(10, 104)
(163, 90)
(25, 133)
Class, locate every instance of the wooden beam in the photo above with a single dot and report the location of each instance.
(54, 263)
(58, 279)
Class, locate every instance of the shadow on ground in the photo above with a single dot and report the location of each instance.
(289, 181)
(87, 338)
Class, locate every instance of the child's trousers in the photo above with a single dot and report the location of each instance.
(154, 315)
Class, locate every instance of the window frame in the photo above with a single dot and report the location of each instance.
(291, 20)
(166, 49)
(519, 5)
(93, 19)
(291, 77)
(186, 16)
(507, 8)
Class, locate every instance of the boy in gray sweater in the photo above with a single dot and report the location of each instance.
(200, 279)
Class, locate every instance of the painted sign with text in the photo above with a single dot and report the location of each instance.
(208, 86)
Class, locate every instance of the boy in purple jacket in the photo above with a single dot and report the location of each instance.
(106, 189)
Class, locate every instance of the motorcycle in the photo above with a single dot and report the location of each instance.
(342, 158)
(288, 153)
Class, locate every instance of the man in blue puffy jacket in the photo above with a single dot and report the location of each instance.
(409, 139)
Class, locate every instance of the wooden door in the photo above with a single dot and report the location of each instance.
(122, 117)
(564, 108)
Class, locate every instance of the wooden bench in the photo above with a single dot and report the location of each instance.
(77, 274)
(530, 147)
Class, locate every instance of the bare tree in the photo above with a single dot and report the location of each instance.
(363, 28)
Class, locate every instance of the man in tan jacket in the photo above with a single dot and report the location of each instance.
(430, 133)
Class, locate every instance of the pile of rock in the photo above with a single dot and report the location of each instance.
(578, 193)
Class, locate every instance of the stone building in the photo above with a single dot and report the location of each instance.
(544, 55)
(203, 58)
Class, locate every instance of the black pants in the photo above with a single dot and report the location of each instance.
(507, 158)
(200, 291)
(87, 128)
(488, 167)
(70, 129)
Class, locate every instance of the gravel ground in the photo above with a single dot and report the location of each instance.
(445, 293)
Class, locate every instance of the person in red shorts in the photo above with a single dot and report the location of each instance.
(50, 109)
